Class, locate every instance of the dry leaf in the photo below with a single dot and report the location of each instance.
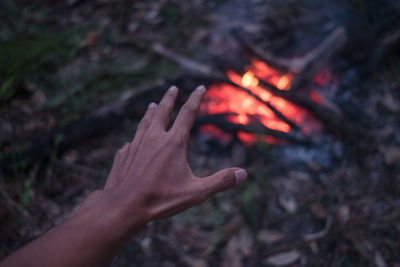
(195, 262)
(284, 258)
(238, 247)
(318, 210)
(232, 257)
(91, 38)
(390, 103)
(288, 202)
(379, 260)
(343, 214)
(37, 99)
(269, 236)
(392, 155)
(233, 226)
(246, 241)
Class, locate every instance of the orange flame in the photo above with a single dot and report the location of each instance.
(225, 98)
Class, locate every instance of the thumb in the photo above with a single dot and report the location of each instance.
(223, 180)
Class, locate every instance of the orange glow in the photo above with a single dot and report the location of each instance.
(284, 83)
(225, 98)
(248, 80)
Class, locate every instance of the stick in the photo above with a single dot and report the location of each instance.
(221, 121)
(332, 43)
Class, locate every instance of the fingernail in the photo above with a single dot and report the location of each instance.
(173, 88)
(152, 105)
(240, 176)
(201, 88)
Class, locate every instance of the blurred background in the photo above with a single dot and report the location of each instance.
(303, 94)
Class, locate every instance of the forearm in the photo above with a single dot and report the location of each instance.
(91, 237)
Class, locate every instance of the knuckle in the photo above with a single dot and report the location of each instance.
(227, 181)
(170, 96)
(153, 135)
(189, 109)
(178, 139)
(145, 121)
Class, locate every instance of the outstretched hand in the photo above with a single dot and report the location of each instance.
(150, 179)
(152, 174)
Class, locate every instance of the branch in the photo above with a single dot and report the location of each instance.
(306, 64)
(222, 122)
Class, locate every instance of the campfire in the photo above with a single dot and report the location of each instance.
(273, 99)
(222, 98)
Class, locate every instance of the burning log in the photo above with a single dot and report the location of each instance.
(222, 122)
(331, 118)
(334, 120)
(205, 72)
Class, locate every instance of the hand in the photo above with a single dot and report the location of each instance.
(151, 174)
(150, 179)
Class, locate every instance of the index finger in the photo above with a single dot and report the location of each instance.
(185, 119)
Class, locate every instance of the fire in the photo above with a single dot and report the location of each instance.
(249, 80)
(225, 98)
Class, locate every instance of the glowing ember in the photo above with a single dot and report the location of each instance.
(225, 98)
(249, 80)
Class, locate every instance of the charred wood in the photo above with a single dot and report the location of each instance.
(222, 122)
(304, 67)
(206, 72)
(334, 120)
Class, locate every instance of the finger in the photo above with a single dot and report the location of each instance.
(145, 122)
(222, 180)
(142, 128)
(185, 119)
(161, 118)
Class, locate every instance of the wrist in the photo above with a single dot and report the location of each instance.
(103, 212)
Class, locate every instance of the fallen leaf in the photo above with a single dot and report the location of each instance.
(37, 99)
(238, 247)
(269, 236)
(343, 214)
(195, 262)
(284, 258)
(288, 202)
(379, 260)
(390, 103)
(318, 210)
(392, 155)
(91, 38)
(232, 257)
(245, 241)
(233, 226)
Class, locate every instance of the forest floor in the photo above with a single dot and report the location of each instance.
(337, 205)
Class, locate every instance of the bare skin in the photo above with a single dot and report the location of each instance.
(150, 179)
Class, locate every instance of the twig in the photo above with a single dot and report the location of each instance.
(221, 121)
(300, 65)
(320, 234)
